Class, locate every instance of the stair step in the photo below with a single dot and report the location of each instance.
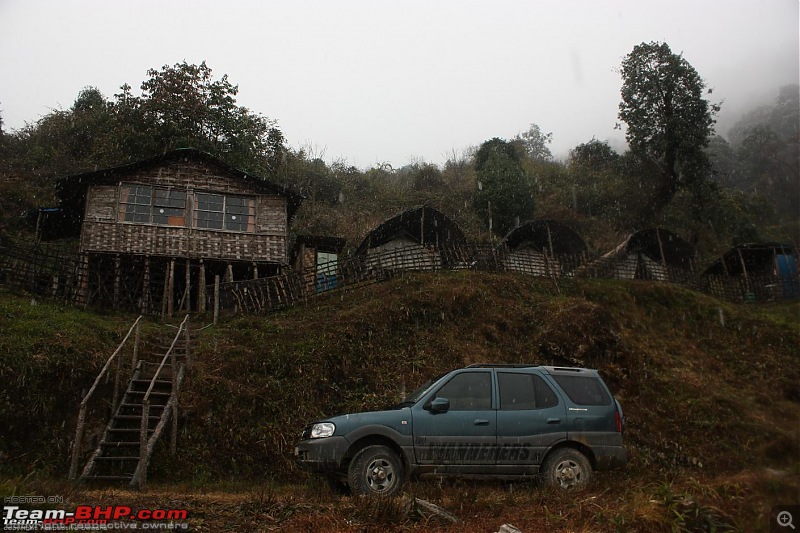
(137, 417)
(148, 381)
(152, 393)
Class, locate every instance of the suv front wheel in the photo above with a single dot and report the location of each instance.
(566, 468)
(376, 470)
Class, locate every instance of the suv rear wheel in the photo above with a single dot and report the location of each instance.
(376, 470)
(566, 468)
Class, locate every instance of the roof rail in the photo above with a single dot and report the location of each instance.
(499, 365)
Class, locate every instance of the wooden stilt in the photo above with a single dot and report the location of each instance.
(187, 293)
(144, 305)
(201, 288)
(171, 288)
(117, 275)
(216, 298)
(82, 296)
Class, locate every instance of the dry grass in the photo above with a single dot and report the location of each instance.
(711, 407)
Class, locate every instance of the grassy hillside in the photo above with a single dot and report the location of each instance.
(711, 390)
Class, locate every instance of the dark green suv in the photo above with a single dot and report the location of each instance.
(487, 420)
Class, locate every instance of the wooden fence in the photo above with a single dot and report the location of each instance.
(61, 274)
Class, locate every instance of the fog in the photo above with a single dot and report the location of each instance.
(395, 82)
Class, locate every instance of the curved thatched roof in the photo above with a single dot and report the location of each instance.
(748, 258)
(550, 235)
(658, 244)
(423, 224)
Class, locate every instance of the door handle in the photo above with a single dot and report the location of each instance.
(553, 420)
(481, 422)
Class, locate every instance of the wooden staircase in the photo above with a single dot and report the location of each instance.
(148, 404)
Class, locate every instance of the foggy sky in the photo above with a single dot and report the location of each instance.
(398, 81)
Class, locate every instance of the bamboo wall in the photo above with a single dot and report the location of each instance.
(103, 231)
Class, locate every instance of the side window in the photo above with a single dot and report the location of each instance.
(152, 205)
(468, 391)
(135, 203)
(169, 207)
(584, 390)
(524, 391)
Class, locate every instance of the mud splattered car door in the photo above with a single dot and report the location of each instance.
(530, 419)
(455, 426)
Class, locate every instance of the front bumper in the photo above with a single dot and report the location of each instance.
(321, 455)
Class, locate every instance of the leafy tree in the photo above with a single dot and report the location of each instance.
(669, 122)
(182, 105)
(595, 179)
(504, 195)
(535, 143)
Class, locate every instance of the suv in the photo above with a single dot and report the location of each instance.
(487, 420)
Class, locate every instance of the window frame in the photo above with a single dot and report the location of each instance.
(131, 195)
(539, 394)
(455, 407)
(228, 209)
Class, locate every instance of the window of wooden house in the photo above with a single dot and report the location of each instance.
(221, 211)
(152, 205)
(169, 207)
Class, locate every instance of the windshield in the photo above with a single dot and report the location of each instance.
(415, 396)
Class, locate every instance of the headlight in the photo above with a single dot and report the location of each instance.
(323, 429)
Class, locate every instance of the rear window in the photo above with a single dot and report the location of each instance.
(584, 390)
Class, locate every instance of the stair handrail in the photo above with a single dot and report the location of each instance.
(76, 445)
(146, 445)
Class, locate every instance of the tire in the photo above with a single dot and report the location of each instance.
(566, 468)
(375, 471)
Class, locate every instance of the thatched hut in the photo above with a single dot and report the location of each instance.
(650, 254)
(755, 271)
(411, 240)
(542, 248)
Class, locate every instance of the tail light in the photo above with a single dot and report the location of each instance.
(618, 421)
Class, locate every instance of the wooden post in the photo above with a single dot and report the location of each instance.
(174, 363)
(201, 288)
(135, 349)
(143, 429)
(76, 444)
(187, 293)
(144, 306)
(173, 441)
(115, 399)
(165, 295)
(661, 248)
(82, 295)
(117, 281)
(216, 298)
(171, 288)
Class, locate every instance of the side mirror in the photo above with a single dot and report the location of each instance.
(440, 405)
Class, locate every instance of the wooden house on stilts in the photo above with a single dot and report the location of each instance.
(153, 234)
